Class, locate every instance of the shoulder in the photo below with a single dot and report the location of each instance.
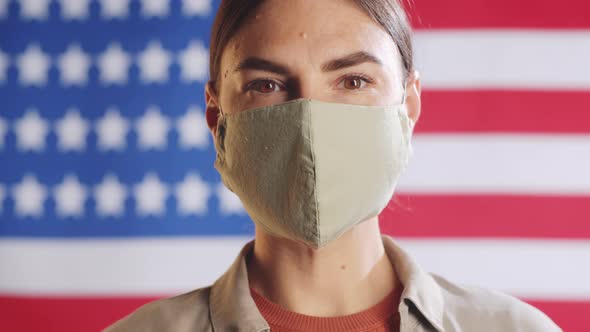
(185, 312)
(471, 308)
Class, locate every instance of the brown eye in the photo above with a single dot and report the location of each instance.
(355, 82)
(352, 83)
(265, 86)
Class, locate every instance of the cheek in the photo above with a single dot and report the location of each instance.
(370, 96)
(229, 90)
(385, 92)
(392, 86)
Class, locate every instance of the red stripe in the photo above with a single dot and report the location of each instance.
(72, 315)
(505, 111)
(63, 314)
(571, 316)
(500, 14)
(508, 216)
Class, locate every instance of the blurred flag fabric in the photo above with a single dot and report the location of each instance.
(109, 198)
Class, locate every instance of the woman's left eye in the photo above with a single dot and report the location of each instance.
(354, 82)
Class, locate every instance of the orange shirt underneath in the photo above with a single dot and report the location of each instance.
(382, 317)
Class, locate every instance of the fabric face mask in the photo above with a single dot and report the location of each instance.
(310, 170)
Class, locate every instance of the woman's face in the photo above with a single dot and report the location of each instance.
(329, 50)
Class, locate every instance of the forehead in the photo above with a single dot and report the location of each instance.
(309, 31)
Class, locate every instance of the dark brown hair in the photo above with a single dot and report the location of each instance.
(232, 13)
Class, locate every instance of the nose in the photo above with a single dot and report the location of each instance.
(303, 87)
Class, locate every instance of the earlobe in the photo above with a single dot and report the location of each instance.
(212, 106)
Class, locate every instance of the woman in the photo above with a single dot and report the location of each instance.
(311, 105)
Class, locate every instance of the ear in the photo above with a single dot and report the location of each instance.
(413, 96)
(212, 109)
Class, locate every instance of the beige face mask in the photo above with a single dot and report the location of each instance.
(310, 170)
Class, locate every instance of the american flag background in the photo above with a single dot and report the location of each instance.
(109, 198)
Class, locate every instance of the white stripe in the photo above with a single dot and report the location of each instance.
(113, 266)
(540, 269)
(552, 59)
(498, 163)
(551, 269)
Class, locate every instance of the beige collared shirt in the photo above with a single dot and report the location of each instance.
(429, 302)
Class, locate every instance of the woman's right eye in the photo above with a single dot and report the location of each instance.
(264, 86)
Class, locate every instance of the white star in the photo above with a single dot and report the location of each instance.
(71, 131)
(229, 203)
(33, 66)
(196, 7)
(29, 197)
(34, 9)
(31, 131)
(4, 62)
(152, 129)
(112, 130)
(73, 65)
(155, 8)
(70, 196)
(192, 129)
(3, 8)
(194, 62)
(3, 130)
(150, 196)
(154, 63)
(2, 194)
(114, 65)
(110, 196)
(192, 195)
(111, 9)
(74, 9)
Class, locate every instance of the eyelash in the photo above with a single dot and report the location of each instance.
(250, 84)
(361, 76)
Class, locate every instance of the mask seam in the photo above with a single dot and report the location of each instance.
(315, 176)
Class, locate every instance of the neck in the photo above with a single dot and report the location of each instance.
(349, 275)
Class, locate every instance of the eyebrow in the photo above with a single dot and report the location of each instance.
(262, 64)
(349, 60)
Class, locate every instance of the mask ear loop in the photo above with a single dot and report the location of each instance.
(406, 124)
(404, 93)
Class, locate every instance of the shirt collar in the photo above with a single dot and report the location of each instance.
(419, 286)
(233, 309)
